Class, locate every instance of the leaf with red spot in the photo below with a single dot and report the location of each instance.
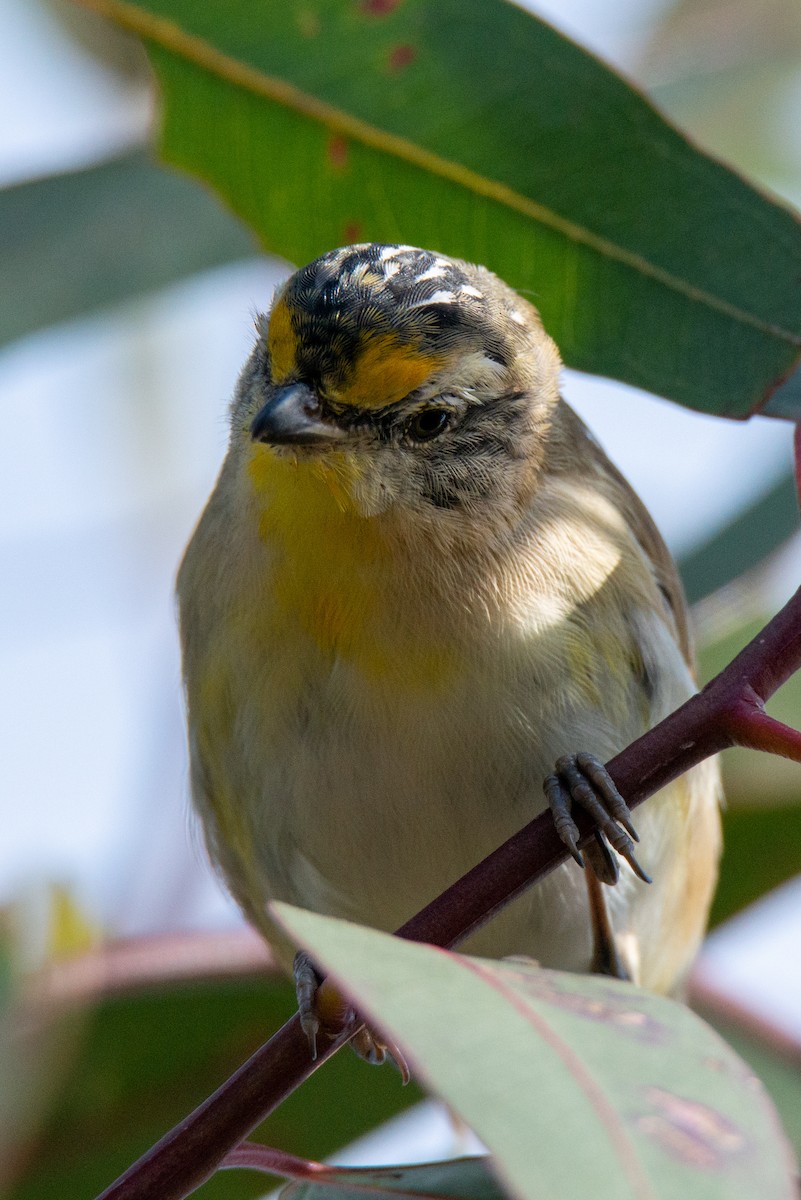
(401, 57)
(476, 129)
(577, 1085)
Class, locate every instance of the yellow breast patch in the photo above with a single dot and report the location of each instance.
(334, 573)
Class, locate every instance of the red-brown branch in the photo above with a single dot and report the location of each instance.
(727, 712)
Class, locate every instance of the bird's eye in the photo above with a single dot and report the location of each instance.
(428, 423)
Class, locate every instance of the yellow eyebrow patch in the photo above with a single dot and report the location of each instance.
(282, 342)
(386, 371)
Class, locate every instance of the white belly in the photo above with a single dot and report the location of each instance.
(366, 802)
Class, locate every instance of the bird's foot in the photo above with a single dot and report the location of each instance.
(307, 985)
(323, 1010)
(584, 780)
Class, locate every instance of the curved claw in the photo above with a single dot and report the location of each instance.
(583, 779)
(596, 772)
(307, 981)
(374, 1051)
(311, 1027)
(628, 854)
(559, 803)
(316, 1002)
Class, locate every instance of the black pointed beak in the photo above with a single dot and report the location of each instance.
(293, 417)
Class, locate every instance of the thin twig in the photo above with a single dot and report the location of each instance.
(255, 1157)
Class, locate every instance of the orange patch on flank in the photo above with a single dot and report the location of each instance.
(386, 371)
(337, 151)
(282, 341)
(402, 57)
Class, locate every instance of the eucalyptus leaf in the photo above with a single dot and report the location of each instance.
(461, 1178)
(473, 127)
(743, 542)
(74, 243)
(577, 1085)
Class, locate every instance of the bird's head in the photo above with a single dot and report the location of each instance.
(411, 381)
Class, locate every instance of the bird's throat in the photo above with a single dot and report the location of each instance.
(336, 573)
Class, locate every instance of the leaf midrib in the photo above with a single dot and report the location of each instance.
(620, 1141)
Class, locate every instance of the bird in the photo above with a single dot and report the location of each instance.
(420, 605)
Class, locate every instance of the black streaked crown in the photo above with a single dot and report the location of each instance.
(417, 296)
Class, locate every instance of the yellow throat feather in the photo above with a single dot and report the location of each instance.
(335, 570)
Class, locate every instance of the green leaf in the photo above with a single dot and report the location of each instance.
(577, 1085)
(473, 127)
(463, 1178)
(73, 243)
(744, 542)
(760, 852)
(779, 1070)
(786, 400)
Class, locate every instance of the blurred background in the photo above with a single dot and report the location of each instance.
(114, 425)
